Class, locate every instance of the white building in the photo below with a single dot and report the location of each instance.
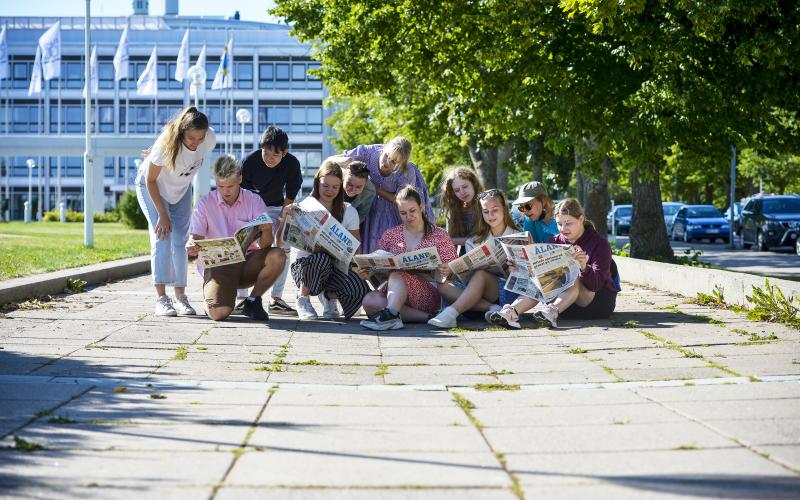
(270, 78)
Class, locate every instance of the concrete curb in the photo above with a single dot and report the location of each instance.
(19, 289)
(688, 281)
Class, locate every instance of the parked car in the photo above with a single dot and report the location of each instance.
(622, 218)
(770, 221)
(737, 214)
(670, 208)
(700, 221)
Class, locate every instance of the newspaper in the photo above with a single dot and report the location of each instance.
(380, 263)
(316, 230)
(543, 270)
(217, 252)
(489, 256)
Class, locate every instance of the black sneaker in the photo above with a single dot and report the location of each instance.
(239, 309)
(254, 310)
(384, 320)
(280, 307)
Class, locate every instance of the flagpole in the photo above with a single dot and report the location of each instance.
(88, 161)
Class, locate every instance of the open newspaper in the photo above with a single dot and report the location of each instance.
(489, 256)
(217, 252)
(380, 263)
(316, 230)
(544, 270)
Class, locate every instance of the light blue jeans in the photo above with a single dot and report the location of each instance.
(277, 287)
(168, 260)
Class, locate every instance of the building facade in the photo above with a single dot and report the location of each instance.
(270, 78)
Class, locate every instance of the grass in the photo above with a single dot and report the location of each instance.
(24, 445)
(180, 353)
(577, 350)
(42, 247)
(496, 387)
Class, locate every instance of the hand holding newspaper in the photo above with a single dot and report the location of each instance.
(489, 256)
(380, 263)
(316, 230)
(217, 252)
(543, 270)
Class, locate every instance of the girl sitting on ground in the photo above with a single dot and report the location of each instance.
(537, 208)
(485, 289)
(460, 207)
(594, 294)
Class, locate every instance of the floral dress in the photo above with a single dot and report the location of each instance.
(422, 295)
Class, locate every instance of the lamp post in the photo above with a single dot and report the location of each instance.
(29, 203)
(243, 116)
(137, 162)
(197, 77)
(202, 181)
(39, 193)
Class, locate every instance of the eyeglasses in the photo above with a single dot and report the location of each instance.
(489, 193)
(525, 207)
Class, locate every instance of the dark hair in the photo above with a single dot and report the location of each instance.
(410, 193)
(358, 169)
(275, 139)
(330, 168)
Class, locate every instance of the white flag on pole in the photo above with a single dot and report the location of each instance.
(183, 58)
(5, 70)
(148, 80)
(36, 75)
(121, 57)
(95, 77)
(50, 43)
(201, 61)
(223, 77)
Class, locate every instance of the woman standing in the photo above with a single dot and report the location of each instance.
(162, 187)
(406, 296)
(389, 170)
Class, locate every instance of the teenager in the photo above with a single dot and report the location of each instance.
(163, 190)
(219, 214)
(274, 174)
(406, 296)
(460, 207)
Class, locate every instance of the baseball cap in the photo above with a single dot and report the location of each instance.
(529, 191)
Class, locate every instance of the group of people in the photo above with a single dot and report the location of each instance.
(380, 197)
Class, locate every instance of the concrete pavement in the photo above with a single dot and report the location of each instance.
(101, 399)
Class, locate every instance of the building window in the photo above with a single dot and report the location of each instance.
(22, 74)
(25, 118)
(108, 167)
(71, 118)
(266, 76)
(244, 75)
(141, 118)
(106, 118)
(282, 76)
(105, 74)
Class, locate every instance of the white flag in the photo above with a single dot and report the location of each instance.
(36, 75)
(95, 77)
(148, 80)
(201, 61)
(223, 77)
(121, 57)
(5, 70)
(50, 43)
(183, 58)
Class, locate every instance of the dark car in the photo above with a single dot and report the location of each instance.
(700, 221)
(771, 221)
(622, 218)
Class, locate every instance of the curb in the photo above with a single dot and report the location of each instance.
(688, 280)
(20, 289)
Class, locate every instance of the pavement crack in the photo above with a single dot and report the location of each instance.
(45, 413)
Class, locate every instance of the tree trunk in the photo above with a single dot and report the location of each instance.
(708, 199)
(501, 172)
(648, 231)
(598, 202)
(484, 159)
(536, 155)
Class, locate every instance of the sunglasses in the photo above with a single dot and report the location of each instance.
(489, 193)
(525, 207)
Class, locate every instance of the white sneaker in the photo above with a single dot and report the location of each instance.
(506, 317)
(547, 315)
(304, 308)
(164, 307)
(182, 306)
(330, 307)
(447, 318)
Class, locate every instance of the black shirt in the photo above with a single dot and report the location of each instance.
(269, 183)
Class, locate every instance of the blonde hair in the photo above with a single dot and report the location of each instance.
(327, 168)
(410, 193)
(453, 208)
(226, 166)
(401, 148)
(572, 207)
(484, 229)
(171, 138)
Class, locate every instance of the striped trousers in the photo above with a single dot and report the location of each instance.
(318, 274)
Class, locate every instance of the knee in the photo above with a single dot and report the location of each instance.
(373, 301)
(219, 313)
(275, 258)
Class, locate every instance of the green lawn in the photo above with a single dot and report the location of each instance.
(40, 247)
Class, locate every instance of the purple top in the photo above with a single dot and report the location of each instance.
(598, 265)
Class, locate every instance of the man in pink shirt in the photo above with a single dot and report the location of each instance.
(219, 214)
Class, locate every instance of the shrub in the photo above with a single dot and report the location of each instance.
(130, 212)
(72, 216)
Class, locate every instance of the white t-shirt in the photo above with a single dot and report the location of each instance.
(349, 221)
(471, 243)
(173, 185)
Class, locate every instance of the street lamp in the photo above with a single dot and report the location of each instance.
(136, 162)
(197, 76)
(28, 205)
(243, 116)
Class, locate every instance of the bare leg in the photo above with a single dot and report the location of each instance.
(180, 290)
(480, 293)
(576, 294)
(162, 290)
(398, 293)
(374, 302)
(273, 267)
(523, 304)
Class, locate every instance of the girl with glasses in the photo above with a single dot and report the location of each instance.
(484, 290)
(460, 207)
(537, 208)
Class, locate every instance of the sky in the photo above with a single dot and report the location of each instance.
(250, 10)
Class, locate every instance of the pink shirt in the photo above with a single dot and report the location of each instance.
(213, 218)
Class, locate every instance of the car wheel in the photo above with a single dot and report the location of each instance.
(797, 246)
(725, 241)
(673, 236)
(686, 238)
(761, 242)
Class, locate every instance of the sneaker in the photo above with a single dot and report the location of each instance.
(280, 307)
(164, 307)
(304, 308)
(547, 315)
(506, 317)
(182, 306)
(254, 309)
(383, 320)
(330, 307)
(445, 319)
(239, 309)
